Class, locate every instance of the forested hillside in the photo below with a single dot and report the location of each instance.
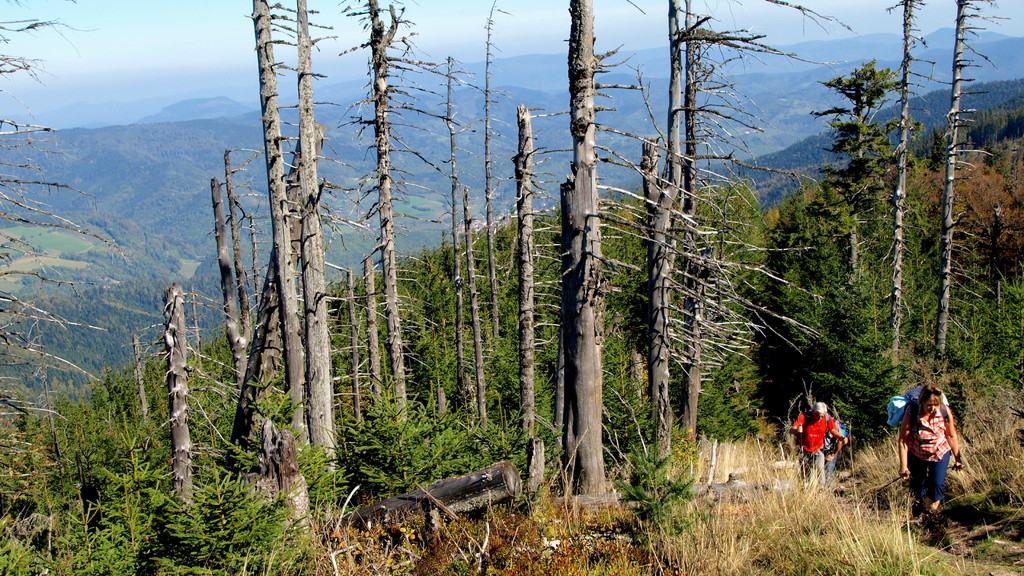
(401, 362)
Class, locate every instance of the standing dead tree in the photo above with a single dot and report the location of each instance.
(899, 195)
(489, 188)
(460, 346)
(319, 387)
(583, 283)
(175, 341)
(281, 210)
(228, 285)
(474, 312)
(966, 11)
(381, 39)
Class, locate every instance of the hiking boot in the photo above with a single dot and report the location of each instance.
(916, 509)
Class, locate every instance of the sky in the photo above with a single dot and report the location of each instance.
(119, 50)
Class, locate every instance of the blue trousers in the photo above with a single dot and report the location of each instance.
(928, 479)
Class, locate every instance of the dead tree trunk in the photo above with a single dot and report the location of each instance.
(372, 340)
(175, 340)
(319, 385)
(140, 377)
(241, 280)
(527, 306)
(264, 358)
(353, 320)
(281, 210)
(474, 492)
(279, 472)
(380, 39)
(492, 269)
(953, 144)
(899, 196)
(474, 311)
(228, 286)
(659, 274)
(693, 268)
(582, 275)
(460, 346)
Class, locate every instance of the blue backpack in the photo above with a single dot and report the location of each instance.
(898, 406)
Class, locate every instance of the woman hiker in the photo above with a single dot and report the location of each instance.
(927, 440)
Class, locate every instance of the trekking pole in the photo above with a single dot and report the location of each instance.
(889, 483)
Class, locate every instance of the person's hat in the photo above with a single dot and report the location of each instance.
(821, 408)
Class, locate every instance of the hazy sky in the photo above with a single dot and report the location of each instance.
(106, 45)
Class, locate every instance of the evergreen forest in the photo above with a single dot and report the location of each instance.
(630, 356)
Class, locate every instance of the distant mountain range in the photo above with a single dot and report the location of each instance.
(144, 168)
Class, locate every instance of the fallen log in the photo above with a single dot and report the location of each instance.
(458, 495)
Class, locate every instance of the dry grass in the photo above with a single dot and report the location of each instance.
(775, 524)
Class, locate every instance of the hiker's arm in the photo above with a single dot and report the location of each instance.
(954, 441)
(901, 445)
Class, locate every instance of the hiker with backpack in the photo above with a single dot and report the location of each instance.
(926, 442)
(811, 428)
(832, 448)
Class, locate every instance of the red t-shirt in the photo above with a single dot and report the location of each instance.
(813, 438)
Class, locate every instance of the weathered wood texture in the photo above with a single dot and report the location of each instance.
(466, 494)
(177, 392)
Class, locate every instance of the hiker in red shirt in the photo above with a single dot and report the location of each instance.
(810, 429)
(927, 439)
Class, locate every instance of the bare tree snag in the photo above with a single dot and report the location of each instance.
(372, 340)
(228, 286)
(467, 494)
(264, 359)
(899, 195)
(279, 472)
(380, 39)
(693, 268)
(583, 282)
(319, 385)
(527, 305)
(175, 341)
(281, 210)
(460, 346)
(492, 270)
(474, 311)
(353, 321)
(659, 275)
(953, 146)
(244, 307)
(535, 461)
(140, 377)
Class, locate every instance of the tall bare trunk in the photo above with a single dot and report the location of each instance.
(175, 340)
(320, 391)
(372, 340)
(241, 282)
(264, 359)
(524, 207)
(460, 347)
(492, 269)
(474, 309)
(281, 211)
(228, 286)
(659, 273)
(582, 275)
(692, 267)
(952, 151)
(353, 321)
(380, 39)
(140, 377)
(899, 196)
